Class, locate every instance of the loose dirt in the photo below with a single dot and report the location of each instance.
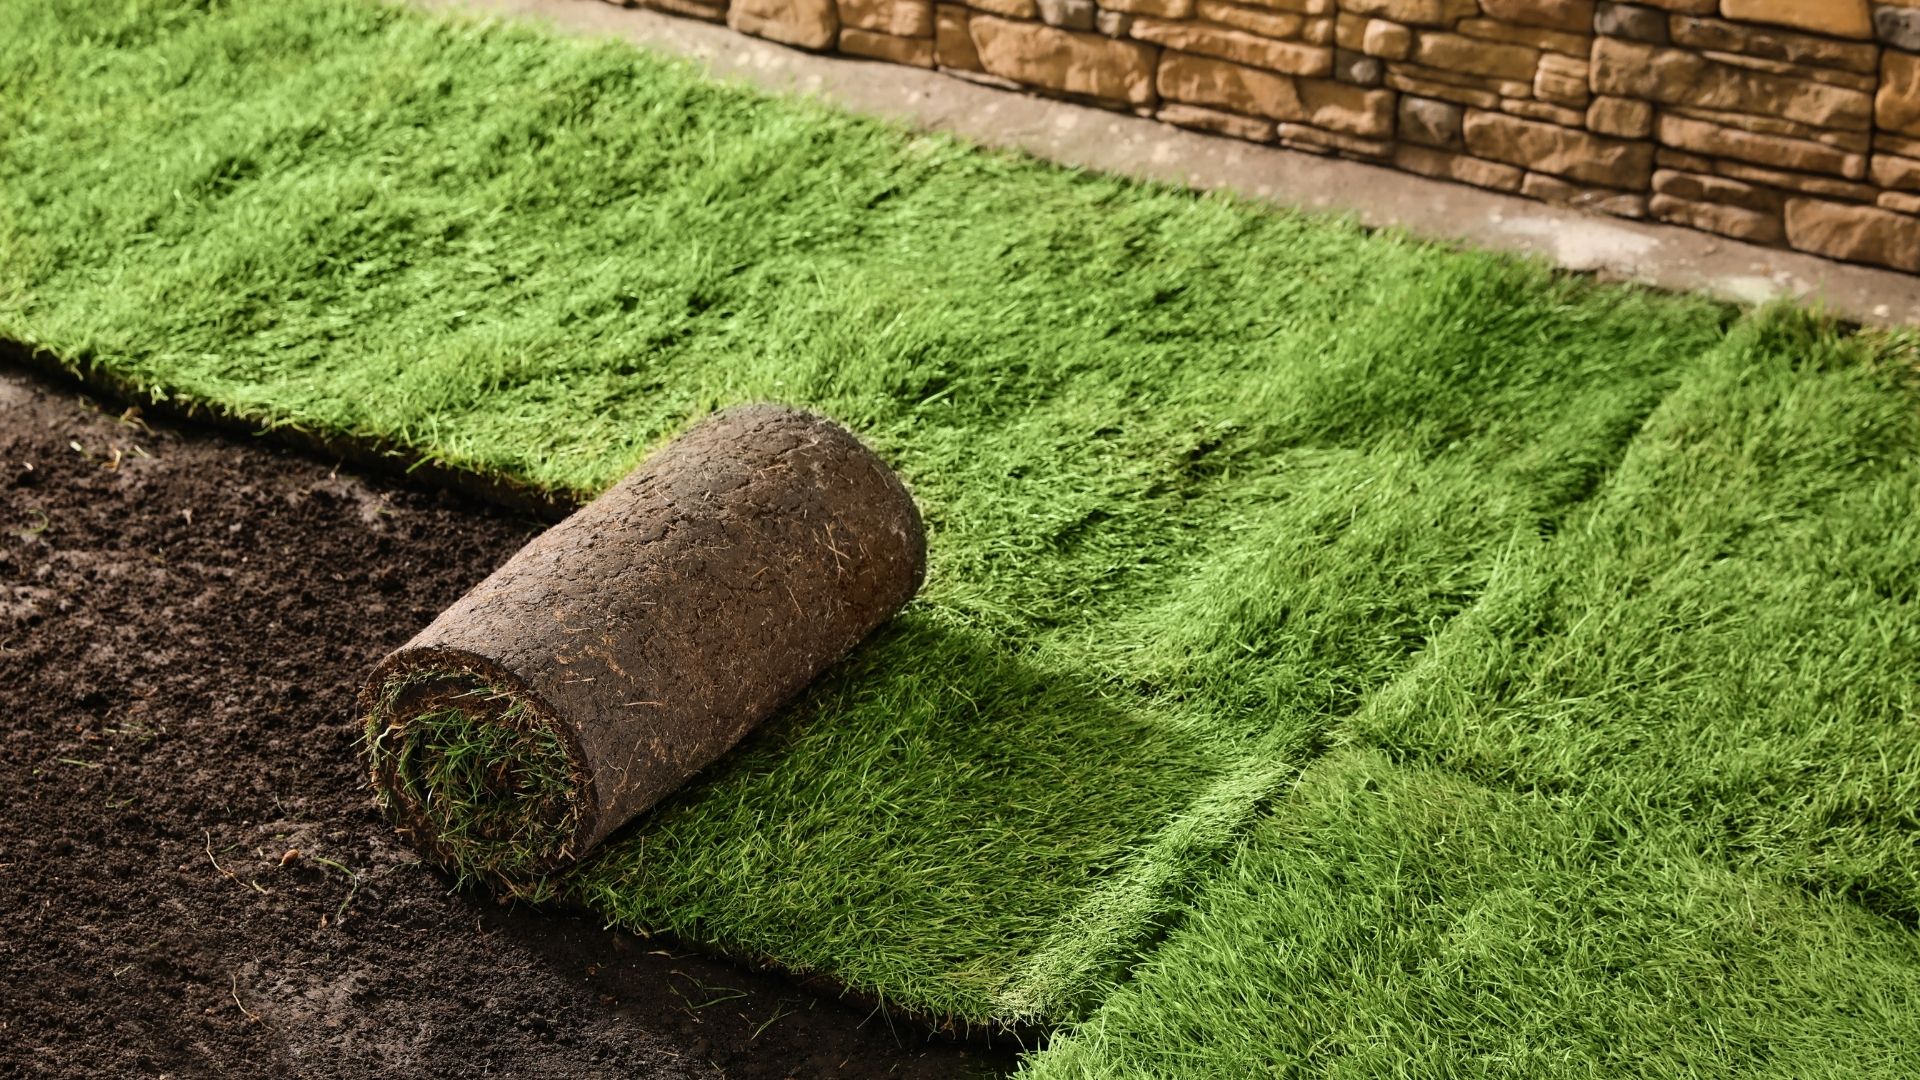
(193, 878)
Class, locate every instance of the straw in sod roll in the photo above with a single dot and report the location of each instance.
(630, 645)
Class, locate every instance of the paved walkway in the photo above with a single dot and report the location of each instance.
(1613, 248)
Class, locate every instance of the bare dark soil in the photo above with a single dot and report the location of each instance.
(193, 878)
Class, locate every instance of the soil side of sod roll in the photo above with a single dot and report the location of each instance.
(629, 646)
(185, 620)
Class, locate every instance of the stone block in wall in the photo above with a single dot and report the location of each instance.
(1898, 27)
(1350, 110)
(1685, 7)
(1308, 137)
(1679, 77)
(1215, 122)
(1887, 142)
(1398, 78)
(1866, 234)
(1559, 41)
(1472, 56)
(1807, 183)
(1287, 57)
(1831, 76)
(952, 44)
(1088, 65)
(1571, 15)
(1720, 35)
(1707, 188)
(808, 24)
(1386, 40)
(1628, 118)
(1273, 24)
(1414, 12)
(1350, 31)
(1855, 142)
(1318, 31)
(902, 18)
(1900, 201)
(1897, 106)
(1740, 223)
(1893, 171)
(1112, 23)
(1558, 151)
(1239, 88)
(873, 45)
(1442, 165)
(1357, 68)
(1550, 189)
(1068, 14)
(1012, 9)
(1159, 9)
(1800, 155)
(1666, 157)
(1220, 84)
(1431, 123)
(1837, 18)
(1562, 80)
(1636, 22)
(1497, 87)
(1540, 110)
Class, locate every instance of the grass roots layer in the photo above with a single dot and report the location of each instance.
(474, 772)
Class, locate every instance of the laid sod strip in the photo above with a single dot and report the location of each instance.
(1724, 647)
(623, 650)
(1201, 480)
(1387, 920)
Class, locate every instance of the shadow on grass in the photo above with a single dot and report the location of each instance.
(866, 833)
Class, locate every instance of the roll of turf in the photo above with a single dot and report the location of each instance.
(627, 647)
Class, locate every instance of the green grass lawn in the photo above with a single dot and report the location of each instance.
(1339, 654)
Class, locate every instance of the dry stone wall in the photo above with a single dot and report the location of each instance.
(1793, 123)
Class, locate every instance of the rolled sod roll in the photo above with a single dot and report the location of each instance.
(627, 647)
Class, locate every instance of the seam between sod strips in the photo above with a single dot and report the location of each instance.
(1040, 994)
(1338, 736)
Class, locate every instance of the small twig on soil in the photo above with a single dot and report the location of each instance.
(224, 872)
(228, 874)
(233, 987)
